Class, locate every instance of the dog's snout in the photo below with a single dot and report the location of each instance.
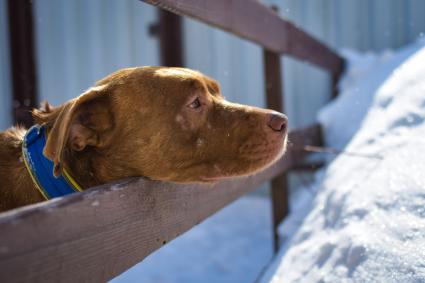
(277, 122)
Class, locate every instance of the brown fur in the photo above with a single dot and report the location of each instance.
(144, 122)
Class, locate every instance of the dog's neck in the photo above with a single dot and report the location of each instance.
(16, 187)
(89, 168)
(92, 167)
(81, 168)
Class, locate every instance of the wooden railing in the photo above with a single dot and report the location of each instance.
(97, 234)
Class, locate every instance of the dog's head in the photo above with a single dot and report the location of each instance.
(163, 123)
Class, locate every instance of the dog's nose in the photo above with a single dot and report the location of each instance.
(277, 122)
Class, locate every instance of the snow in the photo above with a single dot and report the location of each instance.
(234, 245)
(363, 219)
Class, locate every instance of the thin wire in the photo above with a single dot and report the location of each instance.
(330, 150)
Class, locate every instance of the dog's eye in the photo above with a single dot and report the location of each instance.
(195, 104)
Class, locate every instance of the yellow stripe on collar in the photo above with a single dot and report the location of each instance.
(41, 169)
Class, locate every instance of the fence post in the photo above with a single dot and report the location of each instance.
(22, 54)
(170, 39)
(336, 76)
(274, 100)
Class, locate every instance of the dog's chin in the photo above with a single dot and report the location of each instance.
(279, 154)
(273, 156)
(258, 166)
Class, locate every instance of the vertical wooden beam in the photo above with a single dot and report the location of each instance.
(274, 99)
(22, 53)
(170, 39)
(280, 205)
(335, 79)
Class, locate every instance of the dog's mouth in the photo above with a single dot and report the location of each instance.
(254, 163)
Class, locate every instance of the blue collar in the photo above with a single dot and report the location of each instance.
(41, 169)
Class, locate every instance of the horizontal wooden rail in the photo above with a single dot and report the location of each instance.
(98, 234)
(251, 20)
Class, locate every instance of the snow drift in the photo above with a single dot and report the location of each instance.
(367, 221)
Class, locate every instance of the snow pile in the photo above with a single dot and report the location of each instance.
(367, 221)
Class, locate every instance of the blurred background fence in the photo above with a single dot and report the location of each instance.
(78, 42)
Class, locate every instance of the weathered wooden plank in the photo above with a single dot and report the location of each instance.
(170, 39)
(98, 234)
(22, 60)
(279, 195)
(335, 80)
(251, 20)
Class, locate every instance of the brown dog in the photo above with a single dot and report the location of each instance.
(169, 124)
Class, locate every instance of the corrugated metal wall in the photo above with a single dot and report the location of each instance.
(5, 82)
(79, 42)
(235, 63)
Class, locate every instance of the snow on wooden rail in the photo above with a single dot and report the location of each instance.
(98, 234)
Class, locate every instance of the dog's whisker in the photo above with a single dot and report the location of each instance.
(335, 151)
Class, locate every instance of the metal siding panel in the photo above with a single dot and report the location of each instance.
(223, 71)
(79, 42)
(144, 47)
(415, 26)
(198, 37)
(231, 61)
(5, 86)
(364, 24)
(252, 79)
(70, 38)
(383, 33)
(399, 10)
(53, 55)
(85, 43)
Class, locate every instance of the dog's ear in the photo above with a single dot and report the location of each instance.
(81, 122)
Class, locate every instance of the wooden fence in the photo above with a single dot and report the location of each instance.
(98, 234)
